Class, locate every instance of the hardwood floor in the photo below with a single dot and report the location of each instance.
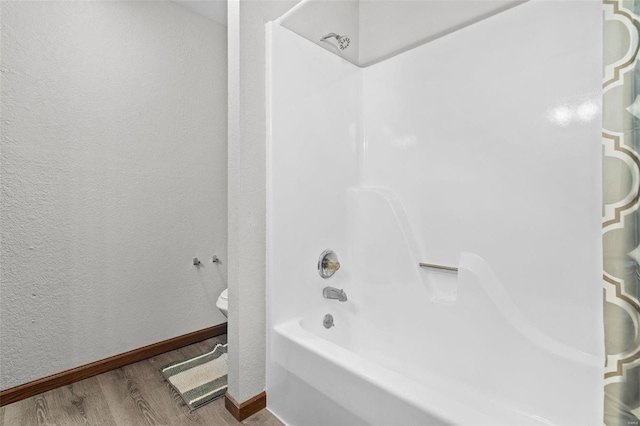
(129, 396)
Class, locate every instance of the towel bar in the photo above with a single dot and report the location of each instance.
(431, 265)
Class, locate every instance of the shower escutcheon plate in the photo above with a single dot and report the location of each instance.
(328, 263)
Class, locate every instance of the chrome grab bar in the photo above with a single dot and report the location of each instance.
(431, 265)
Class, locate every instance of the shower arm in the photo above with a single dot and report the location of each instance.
(330, 35)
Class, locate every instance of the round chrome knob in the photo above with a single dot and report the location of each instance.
(328, 264)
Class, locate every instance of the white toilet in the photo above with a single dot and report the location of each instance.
(223, 302)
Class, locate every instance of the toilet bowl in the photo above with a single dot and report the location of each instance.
(223, 302)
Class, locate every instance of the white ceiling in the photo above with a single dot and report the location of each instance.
(216, 10)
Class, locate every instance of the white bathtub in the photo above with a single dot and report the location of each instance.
(372, 393)
(357, 373)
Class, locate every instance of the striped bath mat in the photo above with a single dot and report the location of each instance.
(201, 379)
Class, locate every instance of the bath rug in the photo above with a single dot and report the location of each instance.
(201, 379)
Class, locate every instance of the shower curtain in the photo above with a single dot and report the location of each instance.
(621, 215)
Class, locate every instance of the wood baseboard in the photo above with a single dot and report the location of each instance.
(64, 378)
(247, 408)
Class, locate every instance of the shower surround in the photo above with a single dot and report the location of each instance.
(479, 150)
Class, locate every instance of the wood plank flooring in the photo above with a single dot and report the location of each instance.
(130, 396)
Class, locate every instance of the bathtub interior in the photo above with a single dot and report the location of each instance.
(450, 153)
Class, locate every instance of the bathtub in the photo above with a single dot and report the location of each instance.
(371, 392)
(354, 373)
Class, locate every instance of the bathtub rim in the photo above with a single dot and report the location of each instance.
(458, 410)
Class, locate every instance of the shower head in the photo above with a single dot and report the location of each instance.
(343, 41)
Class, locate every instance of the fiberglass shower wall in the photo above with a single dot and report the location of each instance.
(479, 150)
(490, 138)
(311, 161)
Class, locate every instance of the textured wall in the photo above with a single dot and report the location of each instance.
(247, 193)
(113, 178)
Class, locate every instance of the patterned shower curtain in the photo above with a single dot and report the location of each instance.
(621, 216)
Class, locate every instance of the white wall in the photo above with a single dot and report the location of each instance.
(313, 134)
(216, 10)
(113, 179)
(483, 165)
(471, 135)
(247, 341)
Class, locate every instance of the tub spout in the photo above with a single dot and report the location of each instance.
(334, 293)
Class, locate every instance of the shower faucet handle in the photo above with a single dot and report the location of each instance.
(331, 265)
(328, 263)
